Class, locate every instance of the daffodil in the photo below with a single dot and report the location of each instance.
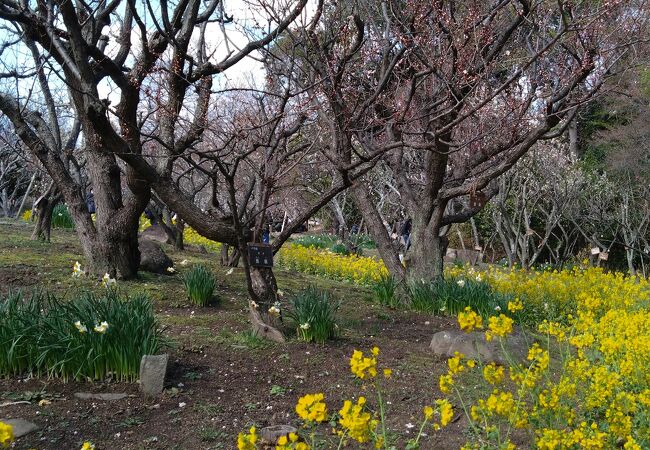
(77, 271)
(107, 281)
(81, 327)
(101, 328)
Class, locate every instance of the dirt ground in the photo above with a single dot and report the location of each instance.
(221, 380)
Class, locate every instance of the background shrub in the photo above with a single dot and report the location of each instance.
(340, 249)
(314, 315)
(199, 284)
(38, 336)
(61, 217)
(362, 241)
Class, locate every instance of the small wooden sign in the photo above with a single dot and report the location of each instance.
(477, 200)
(260, 255)
(603, 256)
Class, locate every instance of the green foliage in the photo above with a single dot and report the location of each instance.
(322, 241)
(199, 284)
(313, 315)
(61, 217)
(339, 249)
(45, 336)
(362, 241)
(451, 296)
(385, 290)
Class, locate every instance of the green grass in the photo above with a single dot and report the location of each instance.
(45, 336)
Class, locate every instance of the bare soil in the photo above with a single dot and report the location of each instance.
(221, 380)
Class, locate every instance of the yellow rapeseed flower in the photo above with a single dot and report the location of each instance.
(357, 422)
(6, 434)
(493, 374)
(446, 411)
(446, 382)
(468, 320)
(499, 326)
(362, 366)
(247, 441)
(312, 408)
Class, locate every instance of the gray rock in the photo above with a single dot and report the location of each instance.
(154, 233)
(474, 346)
(104, 396)
(152, 373)
(21, 427)
(153, 258)
(275, 432)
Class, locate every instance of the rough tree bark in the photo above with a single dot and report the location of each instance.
(42, 211)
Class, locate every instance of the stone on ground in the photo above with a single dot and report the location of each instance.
(103, 396)
(273, 433)
(152, 374)
(474, 346)
(21, 427)
(154, 233)
(153, 258)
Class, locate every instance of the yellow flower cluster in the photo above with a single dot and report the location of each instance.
(358, 269)
(499, 326)
(362, 366)
(291, 443)
(446, 412)
(6, 434)
(597, 342)
(191, 237)
(247, 441)
(455, 366)
(469, 320)
(27, 215)
(357, 423)
(493, 374)
(312, 408)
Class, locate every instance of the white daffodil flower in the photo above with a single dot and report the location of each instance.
(101, 328)
(107, 281)
(81, 327)
(77, 271)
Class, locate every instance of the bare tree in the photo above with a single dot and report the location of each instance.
(453, 95)
(17, 174)
(150, 58)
